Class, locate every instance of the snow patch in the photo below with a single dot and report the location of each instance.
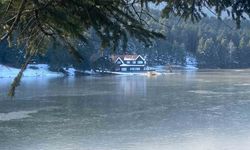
(70, 71)
(190, 67)
(33, 70)
(191, 63)
(90, 72)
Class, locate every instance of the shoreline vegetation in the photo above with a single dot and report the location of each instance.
(42, 70)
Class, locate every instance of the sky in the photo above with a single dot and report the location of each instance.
(208, 12)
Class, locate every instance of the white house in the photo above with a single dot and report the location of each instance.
(129, 63)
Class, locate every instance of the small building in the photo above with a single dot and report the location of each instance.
(129, 63)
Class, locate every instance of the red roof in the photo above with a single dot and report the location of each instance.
(130, 57)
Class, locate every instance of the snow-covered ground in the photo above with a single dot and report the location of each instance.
(42, 70)
(190, 67)
(39, 70)
(71, 71)
(191, 63)
(34, 70)
(90, 72)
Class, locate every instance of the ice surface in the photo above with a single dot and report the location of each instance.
(16, 115)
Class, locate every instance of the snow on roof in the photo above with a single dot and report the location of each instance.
(126, 57)
(131, 65)
(130, 57)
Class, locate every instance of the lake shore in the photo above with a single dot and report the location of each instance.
(42, 70)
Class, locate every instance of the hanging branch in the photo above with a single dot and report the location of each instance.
(18, 16)
(71, 49)
(8, 7)
(39, 24)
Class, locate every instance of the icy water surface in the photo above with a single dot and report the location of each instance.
(205, 110)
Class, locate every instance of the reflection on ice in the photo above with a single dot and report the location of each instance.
(242, 84)
(208, 92)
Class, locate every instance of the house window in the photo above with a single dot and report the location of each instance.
(128, 62)
(118, 62)
(135, 69)
(139, 62)
(134, 62)
(123, 69)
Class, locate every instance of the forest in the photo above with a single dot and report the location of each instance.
(213, 43)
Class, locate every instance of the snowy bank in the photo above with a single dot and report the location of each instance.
(191, 63)
(90, 72)
(74, 72)
(70, 71)
(34, 70)
(191, 67)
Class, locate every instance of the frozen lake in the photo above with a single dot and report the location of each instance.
(205, 110)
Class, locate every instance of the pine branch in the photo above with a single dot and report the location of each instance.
(18, 16)
(40, 25)
(71, 49)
